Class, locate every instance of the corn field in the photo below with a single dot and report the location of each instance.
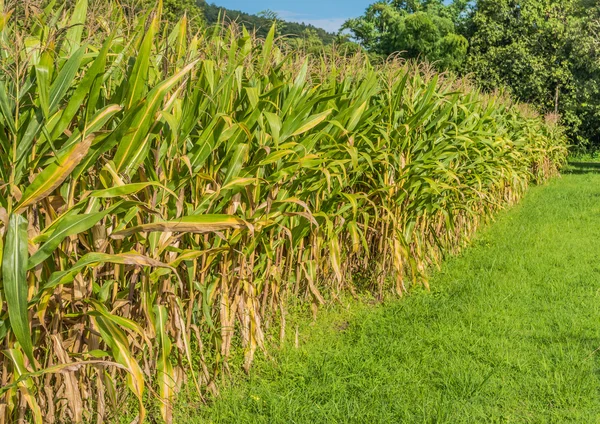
(165, 196)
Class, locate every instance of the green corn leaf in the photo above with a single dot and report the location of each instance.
(275, 124)
(42, 76)
(33, 129)
(123, 190)
(6, 108)
(356, 116)
(91, 78)
(100, 310)
(14, 278)
(65, 78)
(139, 73)
(166, 376)
(267, 48)
(76, 25)
(100, 118)
(307, 124)
(236, 162)
(114, 337)
(73, 225)
(131, 144)
(205, 144)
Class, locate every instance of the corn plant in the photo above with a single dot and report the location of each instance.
(165, 195)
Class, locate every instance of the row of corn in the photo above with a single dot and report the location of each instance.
(165, 196)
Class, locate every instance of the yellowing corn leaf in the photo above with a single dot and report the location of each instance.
(117, 341)
(312, 122)
(25, 385)
(91, 259)
(53, 175)
(187, 224)
(166, 376)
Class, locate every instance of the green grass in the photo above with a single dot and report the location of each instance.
(508, 333)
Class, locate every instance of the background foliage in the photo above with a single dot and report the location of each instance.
(262, 22)
(546, 52)
(425, 30)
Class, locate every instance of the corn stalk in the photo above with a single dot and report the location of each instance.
(165, 195)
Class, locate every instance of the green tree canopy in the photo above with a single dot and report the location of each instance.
(425, 29)
(173, 10)
(546, 52)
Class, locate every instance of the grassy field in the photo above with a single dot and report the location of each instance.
(508, 333)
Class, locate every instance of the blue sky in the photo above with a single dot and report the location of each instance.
(327, 14)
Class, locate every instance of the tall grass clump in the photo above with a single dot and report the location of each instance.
(165, 195)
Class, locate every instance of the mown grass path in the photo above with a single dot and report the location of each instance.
(508, 333)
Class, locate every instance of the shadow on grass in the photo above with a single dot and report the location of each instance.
(582, 168)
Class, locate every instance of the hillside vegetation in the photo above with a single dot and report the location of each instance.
(167, 195)
(262, 24)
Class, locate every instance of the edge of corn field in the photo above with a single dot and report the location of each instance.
(168, 194)
(508, 333)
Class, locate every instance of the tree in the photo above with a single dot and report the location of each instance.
(173, 10)
(583, 46)
(308, 42)
(273, 17)
(414, 28)
(546, 52)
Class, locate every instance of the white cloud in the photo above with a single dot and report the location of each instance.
(328, 24)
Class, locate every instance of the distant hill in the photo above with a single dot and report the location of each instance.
(260, 24)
